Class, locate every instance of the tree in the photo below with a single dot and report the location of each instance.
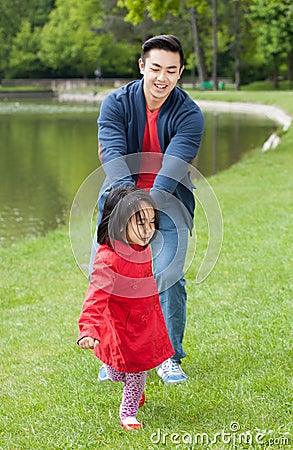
(117, 58)
(248, 39)
(237, 45)
(13, 15)
(274, 31)
(83, 38)
(68, 45)
(201, 65)
(238, 57)
(138, 9)
(120, 42)
(39, 12)
(239, 31)
(24, 60)
(215, 43)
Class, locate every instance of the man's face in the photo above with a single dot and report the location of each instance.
(161, 71)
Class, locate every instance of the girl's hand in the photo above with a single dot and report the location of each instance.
(88, 343)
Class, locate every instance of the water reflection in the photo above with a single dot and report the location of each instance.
(228, 137)
(48, 150)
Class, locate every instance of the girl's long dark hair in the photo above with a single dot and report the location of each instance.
(121, 204)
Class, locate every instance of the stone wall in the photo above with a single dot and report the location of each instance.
(60, 84)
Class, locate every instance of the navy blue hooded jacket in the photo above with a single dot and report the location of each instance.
(121, 126)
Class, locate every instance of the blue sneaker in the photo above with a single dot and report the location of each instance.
(171, 372)
(103, 376)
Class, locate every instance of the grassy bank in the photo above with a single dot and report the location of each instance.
(24, 89)
(237, 336)
(283, 99)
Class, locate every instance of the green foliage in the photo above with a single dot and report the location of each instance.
(156, 9)
(24, 58)
(66, 37)
(274, 25)
(39, 12)
(13, 15)
(117, 58)
(274, 36)
(67, 40)
(136, 10)
(4, 51)
(159, 9)
(76, 41)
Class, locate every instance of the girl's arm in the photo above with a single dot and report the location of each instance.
(91, 321)
(88, 343)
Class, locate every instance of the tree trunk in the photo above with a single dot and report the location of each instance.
(192, 73)
(275, 72)
(215, 44)
(215, 144)
(290, 68)
(237, 47)
(202, 73)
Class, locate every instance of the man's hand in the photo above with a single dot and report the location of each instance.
(88, 343)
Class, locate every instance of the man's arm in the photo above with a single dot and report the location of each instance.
(180, 152)
(112, 141)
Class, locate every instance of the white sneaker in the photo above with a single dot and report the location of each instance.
(171, 372)
(103, 376)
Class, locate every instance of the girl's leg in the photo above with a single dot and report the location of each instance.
(134, 385)
(114, 375)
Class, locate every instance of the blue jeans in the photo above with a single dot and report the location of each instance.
(169, 251)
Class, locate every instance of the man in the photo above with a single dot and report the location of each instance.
(158, 122)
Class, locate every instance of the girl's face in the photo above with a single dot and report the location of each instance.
(141, 226)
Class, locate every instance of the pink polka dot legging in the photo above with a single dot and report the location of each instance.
(134, 383)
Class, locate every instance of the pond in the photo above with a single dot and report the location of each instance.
(48, 149)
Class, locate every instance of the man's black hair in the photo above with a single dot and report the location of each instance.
(166, 42)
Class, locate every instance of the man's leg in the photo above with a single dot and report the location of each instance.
(93, 254)
(169, 250)
(173, 303)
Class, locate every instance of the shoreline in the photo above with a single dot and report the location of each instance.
(274, 113)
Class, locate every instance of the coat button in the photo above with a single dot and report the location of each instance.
(156, 307)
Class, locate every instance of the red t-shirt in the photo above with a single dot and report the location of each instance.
(151, 161)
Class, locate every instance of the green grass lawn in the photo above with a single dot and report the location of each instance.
(238, 336)
(283, 99)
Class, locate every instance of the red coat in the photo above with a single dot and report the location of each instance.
(122, 310)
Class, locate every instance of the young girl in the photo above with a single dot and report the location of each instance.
(121, 318)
